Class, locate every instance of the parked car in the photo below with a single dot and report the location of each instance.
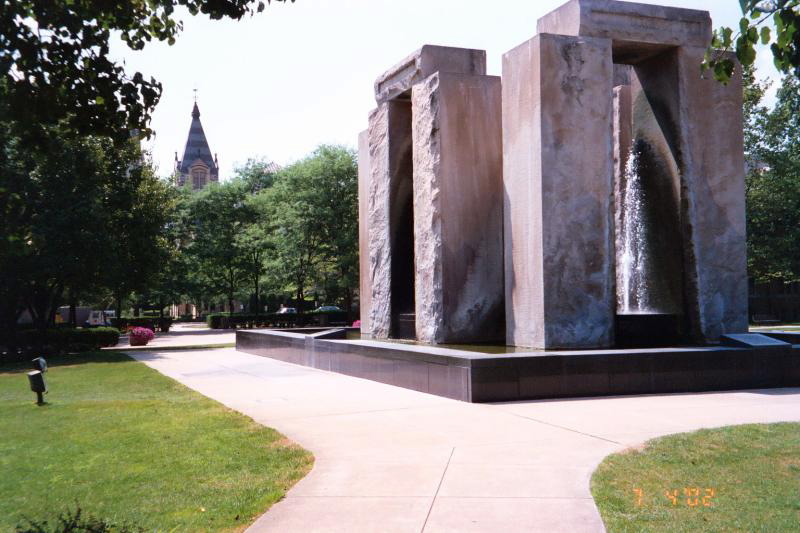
(287, 311)
(327, 309)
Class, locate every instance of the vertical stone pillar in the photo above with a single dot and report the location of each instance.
(365, 280)
(389, 143)
(458, 221)
(712, 167)
(558, 177)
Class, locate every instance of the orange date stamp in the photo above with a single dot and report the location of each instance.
(695, 497)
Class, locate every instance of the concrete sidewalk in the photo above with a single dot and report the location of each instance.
(184, 335)
(390, 459)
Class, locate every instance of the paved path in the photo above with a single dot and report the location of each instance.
(179, 335)
(390, 459)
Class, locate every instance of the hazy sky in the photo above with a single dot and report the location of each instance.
(280, 83)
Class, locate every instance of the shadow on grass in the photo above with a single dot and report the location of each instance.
(13, 367)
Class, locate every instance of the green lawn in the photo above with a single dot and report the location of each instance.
(739, 478)
(132, 446)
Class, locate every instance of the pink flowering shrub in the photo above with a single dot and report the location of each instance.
(141, 336)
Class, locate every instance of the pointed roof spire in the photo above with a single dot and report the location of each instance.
(197, 145)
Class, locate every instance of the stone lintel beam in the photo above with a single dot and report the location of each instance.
(637, 30)
(429, 59)
(558, 180)
(365, 280)
(458, 208)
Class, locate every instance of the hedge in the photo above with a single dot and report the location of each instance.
(287, 320)
(60, 340)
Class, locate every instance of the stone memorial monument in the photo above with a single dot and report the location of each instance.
(611, 190)
(431, 204)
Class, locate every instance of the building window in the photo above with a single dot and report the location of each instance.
(198, 179)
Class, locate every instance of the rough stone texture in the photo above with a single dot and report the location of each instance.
(425, 62)
(712, 167)
(622, 74)
(389, 130)
(458, 208)
(365, 280)
(637, 30)
(429, 287)
(558, 176)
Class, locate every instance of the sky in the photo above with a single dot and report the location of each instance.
(280, 83)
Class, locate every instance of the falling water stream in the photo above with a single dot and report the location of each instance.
(634, 255)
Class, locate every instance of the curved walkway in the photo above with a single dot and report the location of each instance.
(390, 459)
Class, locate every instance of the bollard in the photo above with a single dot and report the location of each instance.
(36, 379)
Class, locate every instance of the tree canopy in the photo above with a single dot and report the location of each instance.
(77, 217)
(771, 22)
(772, 151)
(55, 65)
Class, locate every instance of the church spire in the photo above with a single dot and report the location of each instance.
(198, 166)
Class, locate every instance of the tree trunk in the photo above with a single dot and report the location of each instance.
(348, 301)
(118, 298)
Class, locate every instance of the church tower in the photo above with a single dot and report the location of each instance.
(197, 166)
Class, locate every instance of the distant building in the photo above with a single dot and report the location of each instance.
(197, 167)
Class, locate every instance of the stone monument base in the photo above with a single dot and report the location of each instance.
(746, 361)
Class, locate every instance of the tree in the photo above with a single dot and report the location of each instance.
(340, 224)
(166, 282)
(772, 151)
(314, 211)
(254, 242)
(55, 65)
(78, 216)
(257, 175)
(218, 214)
(757, 24)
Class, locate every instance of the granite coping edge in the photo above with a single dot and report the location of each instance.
(454, 357)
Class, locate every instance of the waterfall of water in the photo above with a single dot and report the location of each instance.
(634, 255)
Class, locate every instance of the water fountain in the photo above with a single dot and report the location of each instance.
(603, 210)
(633, 292)
(648, 312)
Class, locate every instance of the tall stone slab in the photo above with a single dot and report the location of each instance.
(365, 279)
(389, 140)
(700, 135)
(458, 203)
(712, 166)
(434, 200)
(558, 180)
